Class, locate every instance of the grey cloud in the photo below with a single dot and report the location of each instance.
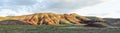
(17, 5)
(17, 2)
(23, 2)
(34, 6)
(64, 6)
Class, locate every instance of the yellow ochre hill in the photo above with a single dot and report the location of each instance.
(52, 19)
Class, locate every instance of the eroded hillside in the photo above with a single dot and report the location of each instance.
(52, 19)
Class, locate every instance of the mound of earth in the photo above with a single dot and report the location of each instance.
(12, 22)
(48, 19)
(113, 21)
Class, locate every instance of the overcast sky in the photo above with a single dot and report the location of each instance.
(107, 9)
(100, 8)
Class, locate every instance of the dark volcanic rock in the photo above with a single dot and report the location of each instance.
(12, 22)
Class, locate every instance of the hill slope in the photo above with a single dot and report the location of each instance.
(52, 19)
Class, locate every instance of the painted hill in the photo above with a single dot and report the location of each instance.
(53, 19)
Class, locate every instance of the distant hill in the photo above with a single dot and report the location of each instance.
(113, 21)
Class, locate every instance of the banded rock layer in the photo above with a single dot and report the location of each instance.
(52, 19)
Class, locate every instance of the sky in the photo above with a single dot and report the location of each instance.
(107, 9)
(100, 8)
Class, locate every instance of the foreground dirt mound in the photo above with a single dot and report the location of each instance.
(51, 19)
(12, 22)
